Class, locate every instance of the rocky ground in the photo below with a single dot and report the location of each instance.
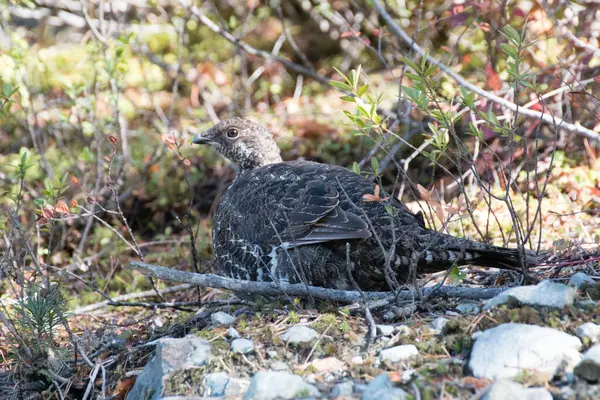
(530, 342)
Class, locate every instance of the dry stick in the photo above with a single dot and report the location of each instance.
(302, 290)
(251, 50)
(400, 33)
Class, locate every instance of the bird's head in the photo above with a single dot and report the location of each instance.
(244, 142)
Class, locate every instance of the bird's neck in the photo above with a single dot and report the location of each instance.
(260, 162)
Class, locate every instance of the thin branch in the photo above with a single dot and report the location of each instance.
(254, 51)
(562, 124)
(302, 290)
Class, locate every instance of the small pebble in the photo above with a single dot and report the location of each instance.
(580, 278)
(386, 330)
(232, 333)
(242, 346)
(398, 353)
(221, 318)
(300, 334)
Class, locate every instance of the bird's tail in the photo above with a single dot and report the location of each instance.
(500, 257)
(453, 250)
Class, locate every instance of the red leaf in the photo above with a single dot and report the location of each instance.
(62, 207)
(493, 80)
(424, 193)
(169, 139)
(74, 180)
(349, 33)
(112, 139)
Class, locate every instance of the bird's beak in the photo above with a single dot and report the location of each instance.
(203, 138)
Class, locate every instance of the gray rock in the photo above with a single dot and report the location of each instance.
(242, 346)
(386, 330)
(345, 388)
(504, 389)
(271, 385)
(172, 355)
(232, 333)
(580, 278)
(221, 318)
(300, 334)
(438, 324)
(589, 367)
(508, 349)
(381, 388)
(544, 294)
(218, 384)
(272, 354)
(398, 353)
(589, 331)
(468, 307)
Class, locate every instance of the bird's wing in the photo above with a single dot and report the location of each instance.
(314, 215)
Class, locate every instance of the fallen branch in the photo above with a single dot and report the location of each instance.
(561, 123)
(254, 51)
(301, 290)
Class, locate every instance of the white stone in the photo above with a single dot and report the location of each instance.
(580, 278)
(509, 349)
(357, 360)
(300, 334)
(438, 324)
(589, 331)
(242, 346)
(271, 385)
(398, 353)
(386, 330)
(221, 318)
(506, 389)
(544, 294)
(171, 355)
(232, 333)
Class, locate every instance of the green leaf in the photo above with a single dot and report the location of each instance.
(509, 50)
(411, 64)
(431, 70)
(390, 210)
(362, 111)
(511, 34)
(375, 165)
(356, 77)
(356, 168)
(414, 77)
(339, 85)
(363, 89)
(351, 99)
(63, 180)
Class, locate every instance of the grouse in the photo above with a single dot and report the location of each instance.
(307, 222)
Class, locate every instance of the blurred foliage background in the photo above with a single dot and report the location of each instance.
(111, 93)
(100, 100)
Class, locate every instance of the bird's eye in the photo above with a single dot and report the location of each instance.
(232, 133)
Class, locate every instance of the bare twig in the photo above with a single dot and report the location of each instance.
(548, 118)
(302, 290)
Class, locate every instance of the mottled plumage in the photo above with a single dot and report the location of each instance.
(291, 221)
